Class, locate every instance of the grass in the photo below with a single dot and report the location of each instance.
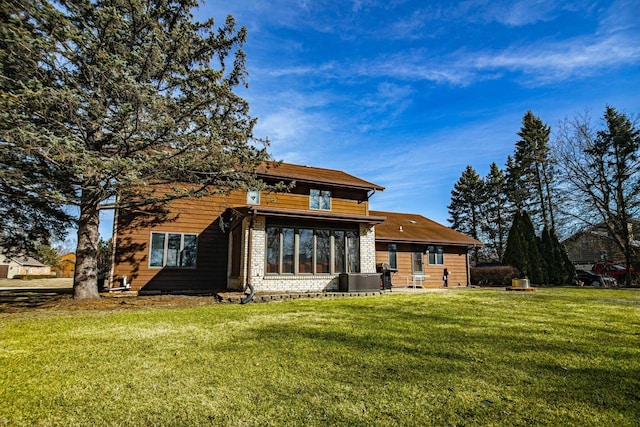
(466, 358)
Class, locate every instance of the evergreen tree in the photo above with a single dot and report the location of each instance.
(467, 198)
(531, 171)
(567, 269)
(515, 254)
(532, 247)
(495, 213)
(102, 98)
(560, 269)
(523, 249)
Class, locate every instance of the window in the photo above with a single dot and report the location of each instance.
(273, 250)
(323, 251)
(311, 251)
(320, 199)
(436, 256)
(253, 197)
(288, 249)
(353, 252)
(339, 251)
(173, 250)
(417, 263)
(393, 256)
(305, 250)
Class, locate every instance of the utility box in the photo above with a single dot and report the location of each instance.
(354, 282)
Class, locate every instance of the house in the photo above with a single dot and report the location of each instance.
(66, 265)
(594, 244)
(299, 240)
(21, 266)
(418, 250)
(305, 239)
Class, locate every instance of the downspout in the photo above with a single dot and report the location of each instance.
(373, 191)
(252, 291)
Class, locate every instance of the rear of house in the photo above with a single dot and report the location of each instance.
(299, 240)
(418, 250)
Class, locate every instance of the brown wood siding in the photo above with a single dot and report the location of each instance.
(198, 216)
(342, 201)
(454, 261)
(202, 217)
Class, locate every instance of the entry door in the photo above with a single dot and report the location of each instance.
(417, 262)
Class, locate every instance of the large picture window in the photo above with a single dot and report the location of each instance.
(436, 255)
(173, 250)
(293, 250)
(320, 199)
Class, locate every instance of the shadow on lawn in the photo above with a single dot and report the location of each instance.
(413, 348)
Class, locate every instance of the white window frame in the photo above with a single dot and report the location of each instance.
(253, 197)
(438, 255)
(165, 250)
(321, 195)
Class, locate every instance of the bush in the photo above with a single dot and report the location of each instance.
(493, 276)
(34, 276)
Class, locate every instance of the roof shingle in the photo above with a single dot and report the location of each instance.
(414, 228)
(289, 171)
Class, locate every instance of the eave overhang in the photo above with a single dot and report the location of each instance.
(314, 215)
(429, 242)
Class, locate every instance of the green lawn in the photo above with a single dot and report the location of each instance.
(462, 357)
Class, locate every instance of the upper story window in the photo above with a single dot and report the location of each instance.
(253, 197)
(172, 250)
(436, 255)
(320, 199)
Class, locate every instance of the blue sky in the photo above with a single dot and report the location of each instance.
(406, 94)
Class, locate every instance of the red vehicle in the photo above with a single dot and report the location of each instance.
(610, 269)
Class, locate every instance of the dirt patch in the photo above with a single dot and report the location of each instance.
(24, 301)
(37, 283)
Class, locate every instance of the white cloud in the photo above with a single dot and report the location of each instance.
(558, 61)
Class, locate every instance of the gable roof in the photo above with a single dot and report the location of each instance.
(314, 175)
(414, 228)
(27, 261)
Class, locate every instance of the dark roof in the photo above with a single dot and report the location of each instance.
(414, 228)
(314, 175)
(27, 261)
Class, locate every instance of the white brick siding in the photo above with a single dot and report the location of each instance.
(262, 282)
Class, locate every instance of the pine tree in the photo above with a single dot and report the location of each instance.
(515, 254)
(495, 213)
(523, 249)
(530, 171)
(532, 248)
(100, 99)
(467, 197)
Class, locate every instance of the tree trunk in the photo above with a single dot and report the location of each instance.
(85, 280)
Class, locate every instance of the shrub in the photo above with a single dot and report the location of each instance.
(494, 275)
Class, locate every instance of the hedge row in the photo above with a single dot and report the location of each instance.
(493, 276)
(34, 276)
